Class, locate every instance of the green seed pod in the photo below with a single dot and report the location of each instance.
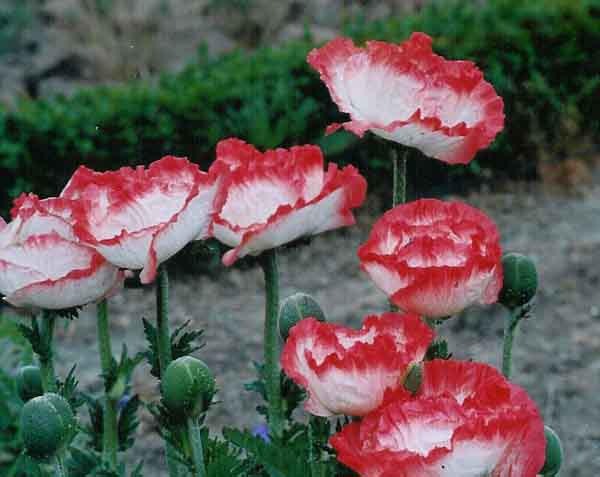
(520, 280)
(188, 387)
(47, 424)
(29, 383)
(294, 309)
(554, 453)
(414, 378)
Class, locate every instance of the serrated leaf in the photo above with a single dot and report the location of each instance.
(128, 423)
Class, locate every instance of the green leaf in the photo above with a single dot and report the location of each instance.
(128, 423)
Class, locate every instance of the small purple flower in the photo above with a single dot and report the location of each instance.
(262, 431)
(123, 402)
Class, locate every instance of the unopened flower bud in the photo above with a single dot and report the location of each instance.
(47, 424)
(296, 308)
(554, 453)
(29, 383)
(188, 387)
(520, 280)
(414, 378)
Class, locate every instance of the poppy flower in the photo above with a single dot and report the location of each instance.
(43, 265)
(273, 198)
(408, 94)
(138, 218)
(449, 429)
(347, 371)
(434, 258)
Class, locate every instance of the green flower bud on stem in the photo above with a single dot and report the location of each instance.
(188, 387)
(554, 453)
(520, 280)
(414, 378)
(47, 424)
(29, 383)
(296, 308)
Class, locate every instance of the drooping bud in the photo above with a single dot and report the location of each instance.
(554, 453)
(188, 387)
(47, 424)
(296, 308)
(414, 378)
(520, 280)
(29, 383)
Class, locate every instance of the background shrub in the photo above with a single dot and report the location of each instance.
(541, 56)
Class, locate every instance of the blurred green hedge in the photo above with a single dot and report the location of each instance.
(542, 57)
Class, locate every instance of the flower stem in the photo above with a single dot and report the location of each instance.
(312, 462)
(271, 342)
(398, 189)
(399, 184)
(110, 436)
(164, 347)
(162, 319)
(59, 467)
(195, 438)
(510, 326)
(48, 323)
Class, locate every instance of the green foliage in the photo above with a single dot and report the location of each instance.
(128, 423)
(14, 350)
(541, 57)
(301, 452)
(291, 394)
(438, 349)
(183, 343)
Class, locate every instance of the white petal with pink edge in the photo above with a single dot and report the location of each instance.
(48, 271)
(69, 291)
(192, 223)
(408, 94)
(290, 225)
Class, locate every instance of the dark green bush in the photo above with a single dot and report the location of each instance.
(542, 57)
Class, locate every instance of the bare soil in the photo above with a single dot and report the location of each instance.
(557, 355)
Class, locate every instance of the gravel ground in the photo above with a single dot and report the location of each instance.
(557, 355)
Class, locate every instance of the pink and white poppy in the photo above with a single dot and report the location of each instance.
(434, 258)
(275, 197)
(410, 95)
(449, 434)
(348, 371)
(138, 218)
(43, 265)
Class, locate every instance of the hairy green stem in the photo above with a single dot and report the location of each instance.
(398, 188)
(195, 438)
(399, 184)
(312, 461)
(59, 467)
(162, 319)
(47, 325)
(110, 436)
(271, 342)
(164, 347)
(510, 326)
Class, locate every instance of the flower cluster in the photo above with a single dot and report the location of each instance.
(433, 259)
(466, 420)
(68, 251)
(414, 414)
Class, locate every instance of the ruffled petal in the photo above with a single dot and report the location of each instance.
(434, 258)
(48, 271)
(77, 288)
(349, 371)
(408, 94)
(466, 421)
(192, 223)
(137, 218)
(276, 197)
